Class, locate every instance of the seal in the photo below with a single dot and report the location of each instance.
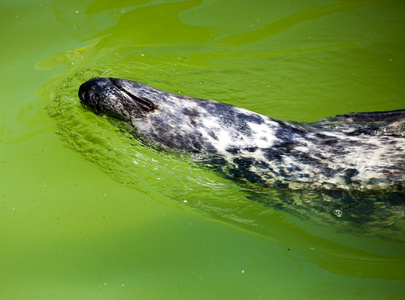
(359, 151)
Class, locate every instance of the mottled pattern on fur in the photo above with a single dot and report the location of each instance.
(352, 151)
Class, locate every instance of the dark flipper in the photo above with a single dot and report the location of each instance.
(382, 123)
(378, 116)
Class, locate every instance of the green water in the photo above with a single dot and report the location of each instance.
(86, 212)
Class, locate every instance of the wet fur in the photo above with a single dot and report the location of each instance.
(359, 151)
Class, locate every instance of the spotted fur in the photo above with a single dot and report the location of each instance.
(352, 151)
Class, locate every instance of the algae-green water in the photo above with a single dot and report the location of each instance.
(88, 212)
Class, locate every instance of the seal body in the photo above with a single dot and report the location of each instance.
(352, 151)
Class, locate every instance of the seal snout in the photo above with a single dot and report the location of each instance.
(89, 90)
(102, 97)
(118, 98)
(83, 91)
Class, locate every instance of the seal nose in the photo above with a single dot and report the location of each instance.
(86, 88)
(83, 92)
(102, 97)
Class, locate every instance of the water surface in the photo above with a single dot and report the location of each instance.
(87, 212)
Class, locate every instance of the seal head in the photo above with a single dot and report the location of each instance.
(116, 98)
